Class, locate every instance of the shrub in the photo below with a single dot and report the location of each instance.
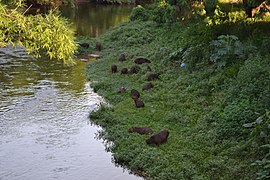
(227, 49)
(247, 95)
(139, 13)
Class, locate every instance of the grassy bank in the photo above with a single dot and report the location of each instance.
(204, 105)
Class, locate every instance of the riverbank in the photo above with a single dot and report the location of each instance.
(203, 106)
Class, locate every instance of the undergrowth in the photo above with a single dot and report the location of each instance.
(204, 105)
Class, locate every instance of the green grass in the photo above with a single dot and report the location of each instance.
(185, 103)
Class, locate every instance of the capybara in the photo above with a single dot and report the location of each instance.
(147, 86)
(141, 60)
(121, 89)
(158, 138)
(84, 45)
(134, 69)
(138, 103)
(135, 94)
(114, 68)
(152, 77)
(124, 70)
(98, 46)
(122, 57)
(140, 130)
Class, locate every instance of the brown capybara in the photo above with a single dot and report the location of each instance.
(122, 57)
(138, 103)
(134, 69)
(121, 89)
(98, 46)
(114, 68)
(159, 138)
(134, 94)
(147, 86)
(141, 60)
(140, 130)
(124, 70)
(152, 77)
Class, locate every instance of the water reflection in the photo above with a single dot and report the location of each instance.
(44, 126)
(93, 20)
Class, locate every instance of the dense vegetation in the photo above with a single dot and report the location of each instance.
(48, 34)
(216, 107)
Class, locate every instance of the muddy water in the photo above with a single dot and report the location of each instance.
(44, 126)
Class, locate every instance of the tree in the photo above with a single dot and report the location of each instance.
(47, 34)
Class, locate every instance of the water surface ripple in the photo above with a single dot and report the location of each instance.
(44, 126)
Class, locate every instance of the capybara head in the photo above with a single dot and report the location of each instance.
(135, 94)
(122, 57)
(140, 130)
(138, 103)
(114, 68)
(124, 70)
(158, 138)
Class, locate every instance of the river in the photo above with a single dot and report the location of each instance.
(45, 132)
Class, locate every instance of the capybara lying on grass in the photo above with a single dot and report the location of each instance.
(159, 138)
(134, 69)
(141, 60)
(114, 68)
(140, 130)
(152, 77)
(124, 71)
(147, 86)
(122, 57)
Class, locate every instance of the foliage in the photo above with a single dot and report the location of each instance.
(260, 134)
(247, 95)
(139, 13)
(227, 50)
(203, 109)
(50, 34)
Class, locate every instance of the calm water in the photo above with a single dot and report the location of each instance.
(44, 127)
(93, 19)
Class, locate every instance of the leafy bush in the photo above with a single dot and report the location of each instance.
(139, 13)
(163, 12)
(247, 95)
(41, 34)
(227, 49)
(260, 133)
